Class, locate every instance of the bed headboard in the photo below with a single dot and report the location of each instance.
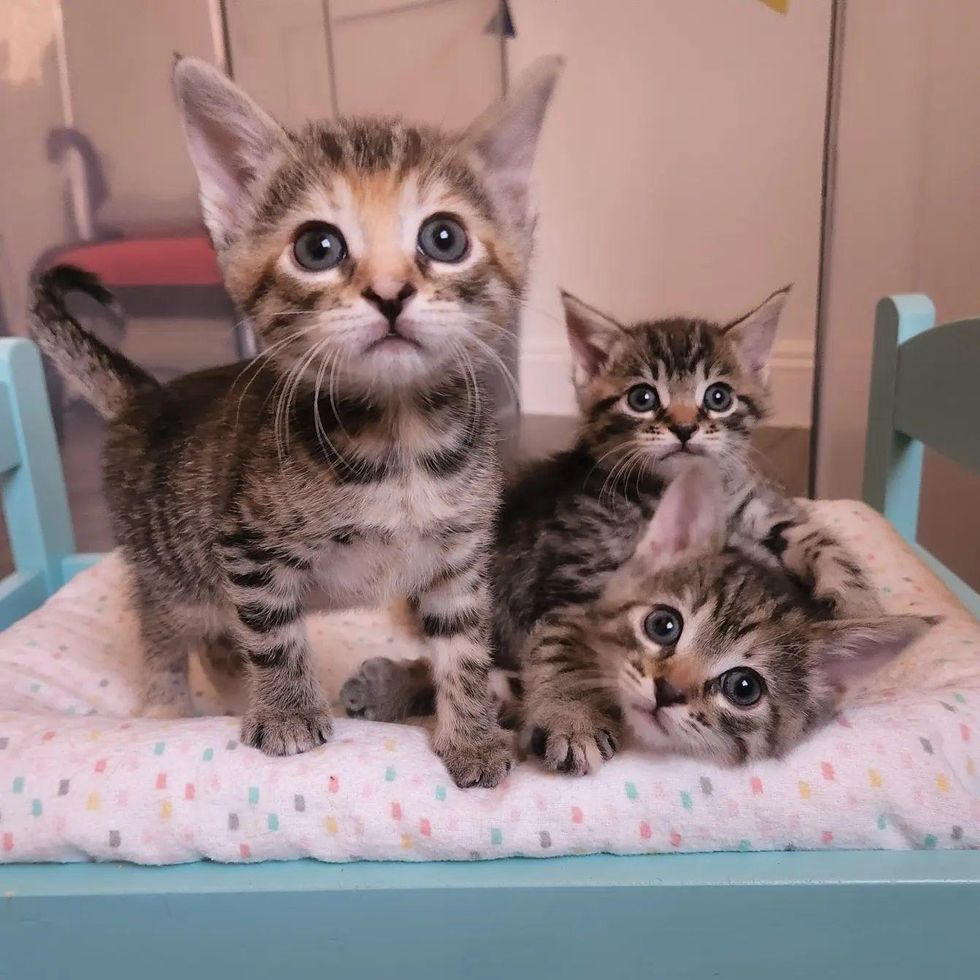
(35, 504)
(925, 391)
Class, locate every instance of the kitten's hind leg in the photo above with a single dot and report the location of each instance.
(390, 690)
(165, 688)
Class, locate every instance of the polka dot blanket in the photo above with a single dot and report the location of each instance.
(82, 780)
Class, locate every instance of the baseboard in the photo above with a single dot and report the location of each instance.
(546, 387)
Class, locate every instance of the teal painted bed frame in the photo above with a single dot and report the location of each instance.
(904, 915)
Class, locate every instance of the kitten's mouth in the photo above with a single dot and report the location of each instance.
(644, 709)
(393, 340)
(683, 451)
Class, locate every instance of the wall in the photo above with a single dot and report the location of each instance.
(907, 197)
(680, 171)
(435, 63)
(119, 57)
(906, 219)
(33, 211)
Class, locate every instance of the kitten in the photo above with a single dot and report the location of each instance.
(355, 459)
(654, 396)
(697, 648)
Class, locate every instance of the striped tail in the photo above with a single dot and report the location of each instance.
(102, 375)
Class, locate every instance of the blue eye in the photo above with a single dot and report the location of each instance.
(319, 246)
(742, 687)
(718, 397)
(443, 238)
(642, 398)
(664, 626)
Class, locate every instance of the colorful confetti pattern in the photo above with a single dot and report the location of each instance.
(81, 780)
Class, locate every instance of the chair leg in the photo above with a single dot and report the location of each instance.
(244, 340)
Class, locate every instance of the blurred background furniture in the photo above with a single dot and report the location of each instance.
(924, 392)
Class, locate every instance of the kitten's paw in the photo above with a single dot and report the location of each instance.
(483, 762)
(572, 742)
(287, 733)
(374, 691)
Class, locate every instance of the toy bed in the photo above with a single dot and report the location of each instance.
(79, 780)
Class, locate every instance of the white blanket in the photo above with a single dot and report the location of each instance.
(81, 780)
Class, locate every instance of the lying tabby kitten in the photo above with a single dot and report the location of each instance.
(354, 459)
(697, 647)
(654, 396)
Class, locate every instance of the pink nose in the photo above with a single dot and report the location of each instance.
(390, 287)
(390, 305)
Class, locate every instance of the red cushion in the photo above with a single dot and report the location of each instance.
(185, 261)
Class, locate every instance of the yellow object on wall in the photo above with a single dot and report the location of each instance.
(780, 6)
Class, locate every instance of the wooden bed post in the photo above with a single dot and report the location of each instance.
(893, 460)
(35, 503)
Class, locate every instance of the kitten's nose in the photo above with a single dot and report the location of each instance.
(389, 297)
(683, 430)
(667, 694)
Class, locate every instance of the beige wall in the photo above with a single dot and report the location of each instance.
(680, 171)
(433, 63)
(907, 201)
(33, 212)
(119, 58)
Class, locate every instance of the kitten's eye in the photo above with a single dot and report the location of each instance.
(642, 398)
(318, 247)
(664, 626)
(743, 687)
(718, 397)
(443, 238)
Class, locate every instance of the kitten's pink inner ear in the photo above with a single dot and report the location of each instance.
(506, 135)
(591, 334)
(853, 650)
(229, 139)
(755, 333)
(690, 518)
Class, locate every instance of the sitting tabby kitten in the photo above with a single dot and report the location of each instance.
(355, 458)
(698, 648)
(656, 395)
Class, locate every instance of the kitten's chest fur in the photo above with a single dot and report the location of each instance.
(359, 503)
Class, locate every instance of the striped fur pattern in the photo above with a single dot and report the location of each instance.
(355, 459)
(704, 390)
(750, 666)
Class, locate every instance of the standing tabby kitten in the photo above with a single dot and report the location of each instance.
(654, 397)
(698, 648)
(355, 459)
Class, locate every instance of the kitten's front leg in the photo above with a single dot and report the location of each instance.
(286, 711)
(571, 718)
(788, 534)
(454, 615)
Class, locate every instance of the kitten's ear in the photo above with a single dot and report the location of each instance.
(690, 519)
(755, 332)
(506, 135)
(851, 650)
(591, 335)
(229, 139)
